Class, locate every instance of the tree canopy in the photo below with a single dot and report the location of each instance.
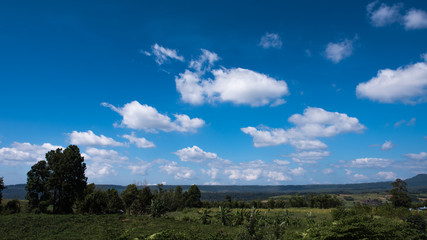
(399, 194)
(59, 180)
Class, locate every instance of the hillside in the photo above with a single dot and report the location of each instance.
(417, 183)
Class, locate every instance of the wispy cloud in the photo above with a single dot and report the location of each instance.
(338, 51)
(271, 40)
(162, 54)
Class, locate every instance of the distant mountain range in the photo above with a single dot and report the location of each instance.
(255, 192)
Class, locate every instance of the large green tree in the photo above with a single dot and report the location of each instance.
(61, 178)
(399, 194)
(67, 180)
(192, 197)
(38, 194)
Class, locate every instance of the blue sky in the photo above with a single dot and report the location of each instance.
(216, 92)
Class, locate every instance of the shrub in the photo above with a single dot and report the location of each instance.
(13, 206)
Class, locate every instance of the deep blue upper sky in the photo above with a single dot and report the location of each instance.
(216, 92)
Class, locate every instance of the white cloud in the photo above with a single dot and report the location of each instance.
(139, 142)
(99, 170)
(406, 84)
(348, 171)
(338, 51)
(25, 153)
(383, 15)
(249, 174)
(162, 54)
(236, 85)
(103, 156)
(327, 171)
(358, 176)
(298, 171)
(281, 162)
(417, 156)
(387, 145)
(213, 172)
(178, 172)
(415, 19)
(277, 176)
(140, 169)
(409, 123)
(195, 154)
(369, 163)
(271, 40)
(386, 175)
(137, 116)
(204, 62)
(308, 156)
(314, 123)
(91, 139)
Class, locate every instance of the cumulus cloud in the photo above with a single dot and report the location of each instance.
(308, 156)
(369, 163)
(139, 142)
(386, 175)
(415, 19)
(140, 169)
(382, 14)
(340, 50)
(195, 154)
(281, 162)
(101, 162)
(406, 84)
(254, 170)
(236, 85)
(178, 172)
(91, 139)
(312, 124)
(147, 118)
(327, 171)
(163, 54)
(298, 171)
(416, 156)
(271, 40)
(25, 153)
(387, 145)
(358, 176)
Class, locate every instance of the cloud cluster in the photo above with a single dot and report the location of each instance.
(368, 163)
(91, 139)
(101, 162)
(178, 172)
(340, 50)
(382, 15)
(405, 84)
(271, 40)
(312, 124)
(236, 85)
(386, 175)
(144, 117)
(25, 153)
(163, 54)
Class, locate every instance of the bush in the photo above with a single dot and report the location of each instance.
(417, 222)
(13, 206)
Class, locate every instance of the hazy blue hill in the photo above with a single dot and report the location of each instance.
(251, 192)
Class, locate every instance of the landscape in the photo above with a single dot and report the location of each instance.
(238, 119)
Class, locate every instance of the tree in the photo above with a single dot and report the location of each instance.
(1, 189)
(192, 197)
(399, 194)
(129, 195)
(115, 203)
(38, 194)
(95, 202)
(67, 178)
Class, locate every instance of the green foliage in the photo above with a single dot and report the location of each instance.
(1, 189)
(224, 216)
(38, 192)
(205, 218)
(95, 202)
(129, 195)
(13, 206)
(417, 222)
(114, 203)
(169, 235)
(192, 197)
(400, 197)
